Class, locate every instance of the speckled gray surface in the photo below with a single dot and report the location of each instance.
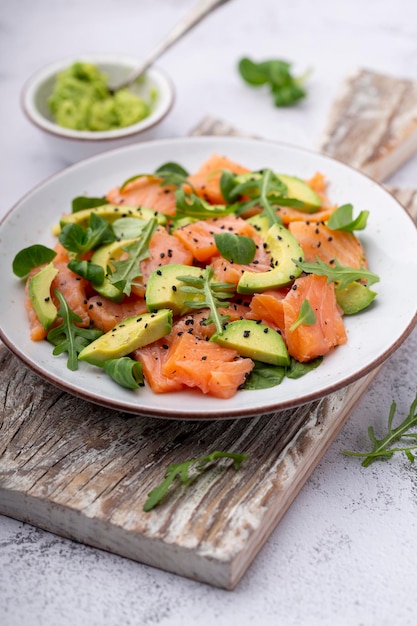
(343, 554)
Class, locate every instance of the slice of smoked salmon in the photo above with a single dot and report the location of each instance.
(199, 236)
(145, 191)
(308, 342)
(152, 358)
(206, 181)
(74, 289)
(209, 367)
(105, 314)
(268, 307)
(319, 241)
(164, 249)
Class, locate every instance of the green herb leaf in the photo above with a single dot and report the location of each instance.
(31, 257)
(286, 89)
(342, 219)
(190, 205)
(337, 273)
(69, 338)
(79, 240)
(381, 447)
(125, 371)
(181, 470)
(213, 295)
(128, 227)
(298, 369)
(83, 202)
(264, 376)
(169, 174)
(90, 271)
(126, 271)
(235, 248)
(306, 316)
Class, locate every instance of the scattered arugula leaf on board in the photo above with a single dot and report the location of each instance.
(181, 470)
(69, 338)
(381, 447)
(286, 89)
(215, 295)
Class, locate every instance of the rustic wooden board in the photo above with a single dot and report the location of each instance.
(84, 472)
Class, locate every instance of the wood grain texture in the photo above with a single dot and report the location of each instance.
(84, 472)
(380, 108)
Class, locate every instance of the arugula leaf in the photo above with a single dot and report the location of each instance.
(214, 295)
(181, 470)
(337, 273)
(169, 174)
(125, 371)
(286, 89)
(235, 248)
(90, 271)
(79, 240)
(342, 219)
(381, 447)
(83, 202)
(190, 205)
(306, 316)
(31, 257)
(69, 338)
(126, 271)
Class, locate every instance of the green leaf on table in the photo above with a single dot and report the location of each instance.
(286, 89)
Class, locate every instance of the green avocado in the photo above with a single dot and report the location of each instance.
(39, 291)
(132, 333)
(260, 223)
(110, 213)
(103, 257)
(254, 340)
(354, 298)
(297, 189)
(163, 289)
(283, 248)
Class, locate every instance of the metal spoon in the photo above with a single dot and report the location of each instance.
(195, 16)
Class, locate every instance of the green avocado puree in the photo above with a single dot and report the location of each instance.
(80, 100)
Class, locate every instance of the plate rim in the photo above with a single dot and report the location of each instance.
(213, 414)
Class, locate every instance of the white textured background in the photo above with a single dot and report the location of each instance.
(344, 554)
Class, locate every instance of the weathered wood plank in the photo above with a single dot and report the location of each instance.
(372, 124)
(83, 471)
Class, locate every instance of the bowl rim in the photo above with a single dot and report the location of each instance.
(30, 88)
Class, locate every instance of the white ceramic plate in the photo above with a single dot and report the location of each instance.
(390, 240)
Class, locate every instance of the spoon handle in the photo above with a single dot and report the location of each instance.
(203, 8)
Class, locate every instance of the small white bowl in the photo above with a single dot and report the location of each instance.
(73, 145)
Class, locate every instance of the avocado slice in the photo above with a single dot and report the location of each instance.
(132, 333)
(354, 298)
(103, 257)
(163, 289)
(39, 291)
(283, 248)
(254, 340)
(260, 223)
(297, 189)
(110, 213)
